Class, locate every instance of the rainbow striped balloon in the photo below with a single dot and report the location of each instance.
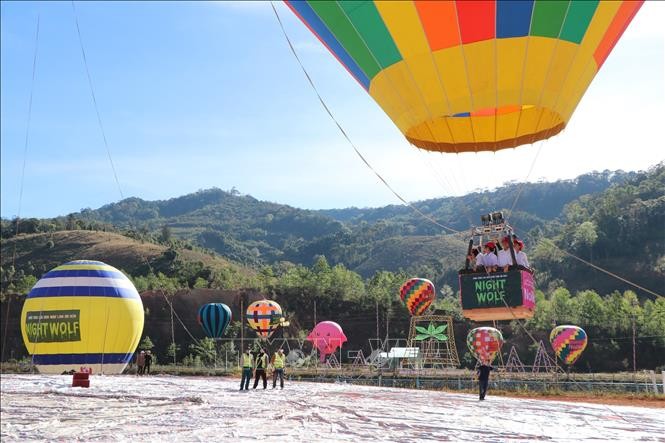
(83, 313)
(568, 342)
(417, 294)
(458, 76)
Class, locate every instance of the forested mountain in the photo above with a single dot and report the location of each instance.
(613, 218)
(257, 233)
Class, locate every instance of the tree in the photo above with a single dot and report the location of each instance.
(166, 234)
(585, 236)
(172, 351)
(146, 344)
(205, 349)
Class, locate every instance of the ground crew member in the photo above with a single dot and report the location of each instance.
(278, 361)
(247, 364)
(261, 365)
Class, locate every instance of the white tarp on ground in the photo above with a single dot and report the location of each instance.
(161, 408)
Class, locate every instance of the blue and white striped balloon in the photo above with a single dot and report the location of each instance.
(214, 318)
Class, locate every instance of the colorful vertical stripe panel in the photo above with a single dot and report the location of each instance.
(417, 294)
(568, 342)
(471, 75)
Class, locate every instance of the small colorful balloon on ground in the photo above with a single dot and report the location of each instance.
(214, 318)
(568, 342)
(82, 314)
(327, 336)
(264, 316)
(484, 343)
(417, 294)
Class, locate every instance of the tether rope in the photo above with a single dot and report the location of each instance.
(20, 195)
(94, 101)
(618, 277)
(355, 148)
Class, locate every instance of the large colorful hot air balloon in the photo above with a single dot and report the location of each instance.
(458, 76)
(484, 343)
(264, 316)
(568, 342)
(417, 294)
(327, 336)
(214, 318)
(83, 313)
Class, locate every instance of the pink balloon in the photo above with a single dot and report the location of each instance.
(327, 336)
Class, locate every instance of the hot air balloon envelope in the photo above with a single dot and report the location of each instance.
(327, 336)
(568, 342)
(458, 76)
(484, 343)
(417, 294)
(214, 318)
(264, 316)
(83, 313)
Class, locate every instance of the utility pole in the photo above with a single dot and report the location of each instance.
(634, 343)
(315, 313)
(377, 319)
(173, 335)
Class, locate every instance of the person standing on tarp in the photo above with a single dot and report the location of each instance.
(247, 364)
(148, 362)
(140, 363)
(261, 365)
(278, 364)
(484, 378)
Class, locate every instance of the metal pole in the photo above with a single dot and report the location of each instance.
(314, 313)
(173, 335)
(242, 323)
(377, 319)
(634, 354)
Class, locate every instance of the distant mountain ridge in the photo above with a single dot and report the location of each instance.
(254, 232)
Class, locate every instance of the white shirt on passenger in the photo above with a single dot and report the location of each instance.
(521, 259)
(490, 260)
(479, 259)
(504, 258)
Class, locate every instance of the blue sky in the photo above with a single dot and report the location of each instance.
(195, 95)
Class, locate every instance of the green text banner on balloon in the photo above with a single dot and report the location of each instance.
(82, 314)
(458, 76)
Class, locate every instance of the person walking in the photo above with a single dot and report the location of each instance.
(261, 365)
(484, 378)
(140, 363)
(278, 360)
(148, 362)
(247, 364)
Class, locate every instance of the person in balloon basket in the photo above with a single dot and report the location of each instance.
(490, 261)
(504, 258)
(484, 378)
(247, 373)
(148, 362)
(261, 366)
(520, 256)
(278, 360)
(140, 363)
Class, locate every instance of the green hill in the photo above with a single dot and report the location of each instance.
(35, 254)
(255, 232)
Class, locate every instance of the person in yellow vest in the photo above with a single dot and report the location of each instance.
(261, 365)
(278, 360)
(247, 363)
